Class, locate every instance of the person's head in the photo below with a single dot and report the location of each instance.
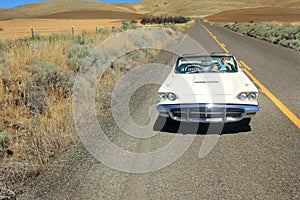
(223, 59)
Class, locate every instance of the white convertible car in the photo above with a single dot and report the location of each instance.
(207, 89)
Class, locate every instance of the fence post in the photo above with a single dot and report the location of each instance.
(32, 32)
(73, 31)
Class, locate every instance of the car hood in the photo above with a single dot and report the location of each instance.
(208, 85)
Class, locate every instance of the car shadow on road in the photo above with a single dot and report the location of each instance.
(163, 124)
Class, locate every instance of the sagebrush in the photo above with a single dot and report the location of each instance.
(36, 83)
(287, 35)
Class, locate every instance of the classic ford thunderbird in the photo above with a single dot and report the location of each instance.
(207, 89)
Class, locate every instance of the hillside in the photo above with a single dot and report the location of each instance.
(190, 8)
(92, 14)
(257, 15)
(207, 7)
(34, 10)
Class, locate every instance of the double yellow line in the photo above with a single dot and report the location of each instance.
(222, 45)
(277, 102)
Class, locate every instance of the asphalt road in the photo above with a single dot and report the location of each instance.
(257, 162)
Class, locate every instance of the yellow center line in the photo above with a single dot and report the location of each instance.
(247, 66)
(273, 98)
(215, 38)
(239, 64)
(279, 104)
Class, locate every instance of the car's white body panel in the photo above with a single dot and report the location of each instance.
(207, 96)
(208, 87)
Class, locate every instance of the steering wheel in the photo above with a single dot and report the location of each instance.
(231, 66)
(193, 69)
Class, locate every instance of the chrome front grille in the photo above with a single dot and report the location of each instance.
(206, 114)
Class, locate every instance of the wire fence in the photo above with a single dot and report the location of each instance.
(32, 32)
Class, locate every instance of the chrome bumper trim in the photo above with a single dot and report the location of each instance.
(207, 113)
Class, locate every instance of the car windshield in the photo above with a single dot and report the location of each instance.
(205, 64)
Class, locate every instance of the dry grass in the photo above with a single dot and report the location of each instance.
(22, 27)
(36, 138)
(12, 177)
(184, 27)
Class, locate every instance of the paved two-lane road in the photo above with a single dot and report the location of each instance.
(257, 163)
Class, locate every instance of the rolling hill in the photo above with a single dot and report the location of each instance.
(257, 15)
(192, 8)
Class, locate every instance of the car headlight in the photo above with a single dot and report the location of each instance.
(162, 97)
(171, 96)
(252, 96)
(242, 96)
(165, 96)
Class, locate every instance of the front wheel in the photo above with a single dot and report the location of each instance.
(245, 122)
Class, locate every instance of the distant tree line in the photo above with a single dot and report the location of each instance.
(164, 20)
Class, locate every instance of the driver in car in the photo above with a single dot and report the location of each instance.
(222, 65)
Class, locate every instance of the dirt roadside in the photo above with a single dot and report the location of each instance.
(72, 169)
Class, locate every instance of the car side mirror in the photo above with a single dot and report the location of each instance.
(242, 68)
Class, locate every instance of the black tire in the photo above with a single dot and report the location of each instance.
(245, 122)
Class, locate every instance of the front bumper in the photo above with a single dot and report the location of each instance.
(207, 113)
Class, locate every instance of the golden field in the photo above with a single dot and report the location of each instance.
(17, 28)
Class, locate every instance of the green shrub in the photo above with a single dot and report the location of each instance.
(102, 30)
(110, 53)
(284, 42)
(36, 35)
(297, 36)
(139, 40)
(2, 57)
(1, 45)
(294, 44)
(21, 42)
(274, 40)
(37, 99)
(81, 39)
(76, 55)
(38, 44)
(5, 76)
(287, 35)
(171, 26)
(57, 36)
(150, 54)
(52, 77)
(135, 55)
(227, 25)
(115, 30)
(4, 139)
(129, 25)
(121, 63)
(126, 26)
